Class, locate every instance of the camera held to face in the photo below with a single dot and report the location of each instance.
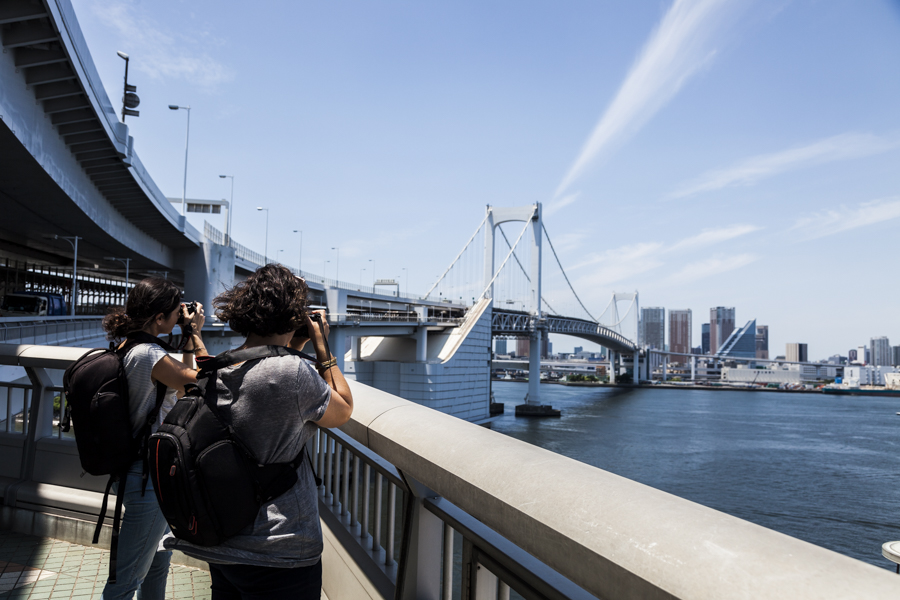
(191, 309)
(303, 330)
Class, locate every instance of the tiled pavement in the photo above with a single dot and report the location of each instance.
(43, 568)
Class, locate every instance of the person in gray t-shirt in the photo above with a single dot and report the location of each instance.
(274, 405)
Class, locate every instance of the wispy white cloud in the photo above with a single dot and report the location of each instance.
(845, 218)
(162, 55)
(618, 264)
(747, 172)
(709, 267)
(675, 51)
(555, 205)
(709, 237)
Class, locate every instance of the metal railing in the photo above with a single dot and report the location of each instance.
(428, 505)
(49, 330)
(393, 317)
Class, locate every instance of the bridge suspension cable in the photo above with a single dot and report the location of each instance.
(564, 273)
(444, 274)
(505, 260)
(524, 272)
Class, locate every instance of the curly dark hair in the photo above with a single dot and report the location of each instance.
(272, 301)
(149, 297)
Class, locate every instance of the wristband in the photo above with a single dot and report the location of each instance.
(186, 351)
(331, 362)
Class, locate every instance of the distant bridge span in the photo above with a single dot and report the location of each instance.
(510, 322)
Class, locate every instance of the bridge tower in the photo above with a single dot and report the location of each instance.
(526, 214)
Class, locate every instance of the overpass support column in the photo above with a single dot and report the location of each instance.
(693, 368)
(612, 366)
(636, 370)
(421, 343)
(665, 366)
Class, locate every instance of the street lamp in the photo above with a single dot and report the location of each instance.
(127, 263)
(187, 137)
(73, 240)
(337, 266)
(300, 260)
(360, 277)
(324, 267)
(373, 274)
(266, 257)
(130, 100)
(230, 208)
(406, 280)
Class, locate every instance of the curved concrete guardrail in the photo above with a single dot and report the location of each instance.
(542, 524)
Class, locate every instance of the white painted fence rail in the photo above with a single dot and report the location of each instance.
(400, 479)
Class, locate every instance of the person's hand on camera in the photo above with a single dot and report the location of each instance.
(195, 319)
(318, 331)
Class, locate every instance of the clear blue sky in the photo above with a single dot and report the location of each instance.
(706, 153)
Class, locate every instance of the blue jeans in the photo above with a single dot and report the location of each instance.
(140, 567)
(249, 582)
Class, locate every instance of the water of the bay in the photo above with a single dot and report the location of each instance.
(816, 467)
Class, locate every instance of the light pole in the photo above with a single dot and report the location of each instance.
(266, 257)
(73, 240)
(300, 260)
(130, 100)
(337, 266)
(373, 274)
(324, 266)
(187, 137)
(230, 208)
(127, 263)
(406, 280)
(278, 256)
(360, 277)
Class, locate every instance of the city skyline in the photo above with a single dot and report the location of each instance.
(704, 153)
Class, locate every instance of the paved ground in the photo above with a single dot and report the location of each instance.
(38, 568)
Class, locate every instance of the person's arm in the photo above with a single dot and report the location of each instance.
(340, 407)
(173, 374)
(194, 346)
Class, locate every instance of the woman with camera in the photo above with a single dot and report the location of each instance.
(273, 405)
(153, 308)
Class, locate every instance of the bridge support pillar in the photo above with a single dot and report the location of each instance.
(533, 406)
(636, 370)
(665, 366)
(693, 368)
(421, 343)
(611, 372)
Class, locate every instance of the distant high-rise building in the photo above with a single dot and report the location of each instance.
(721, 324)
(851, 356)
(578, 349)
(796, 353)
(762, 342)
(880, 351)
(500, 346)
(522, 346)
(704, 338)
(895, 356)
(862, 355)
(545, 346)
(653, 327)
(741, 343)
(680, 333)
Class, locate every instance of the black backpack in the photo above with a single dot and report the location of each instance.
(97, 402)
(208, 483)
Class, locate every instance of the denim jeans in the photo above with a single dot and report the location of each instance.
(140, 567)
(249, 582)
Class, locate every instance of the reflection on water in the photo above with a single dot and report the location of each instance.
(819, 468)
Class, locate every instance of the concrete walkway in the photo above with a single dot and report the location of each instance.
(43, 568)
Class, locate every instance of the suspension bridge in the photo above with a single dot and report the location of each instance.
(512, 284)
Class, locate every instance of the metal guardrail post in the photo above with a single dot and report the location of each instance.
(421, 563)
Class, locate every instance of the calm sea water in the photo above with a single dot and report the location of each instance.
(820, 468)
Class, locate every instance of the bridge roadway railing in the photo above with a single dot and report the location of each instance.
(513, 322)
(58, 331)
(419, 504)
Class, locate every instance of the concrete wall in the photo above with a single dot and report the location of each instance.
(455, 379)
